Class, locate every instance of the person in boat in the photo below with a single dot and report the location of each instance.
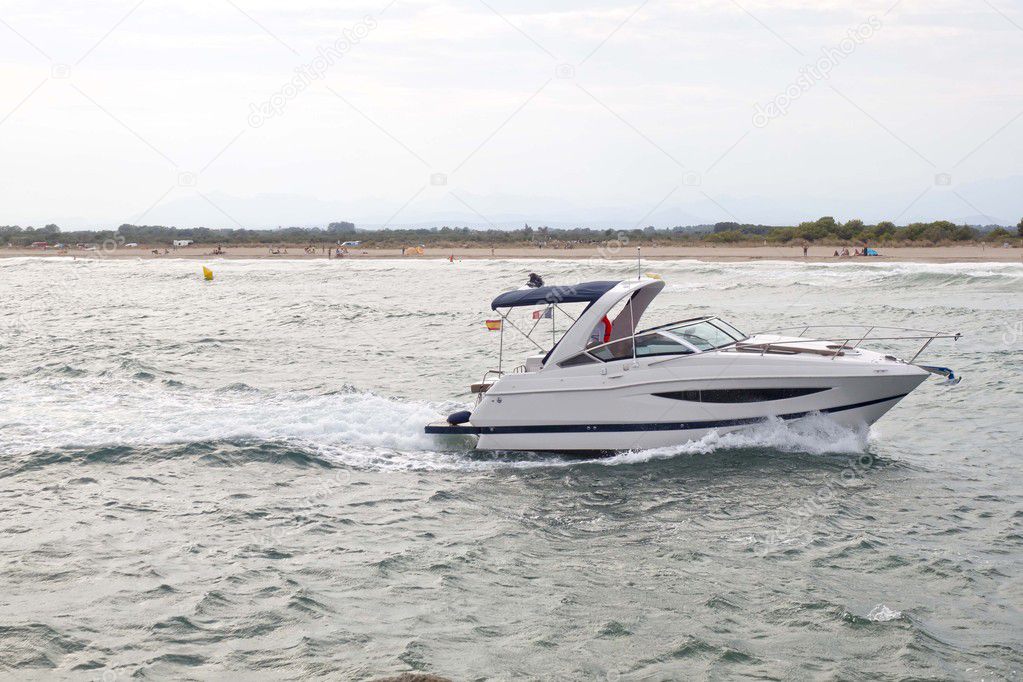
(535, 281)
(601, 333)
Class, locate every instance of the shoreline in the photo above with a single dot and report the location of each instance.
(820, 254)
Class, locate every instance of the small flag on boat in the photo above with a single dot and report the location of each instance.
(207, 274)
(494, 325)
(546, 314)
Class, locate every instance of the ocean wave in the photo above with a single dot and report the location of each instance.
(685, 276)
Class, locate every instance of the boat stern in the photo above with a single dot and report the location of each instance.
(443, 428)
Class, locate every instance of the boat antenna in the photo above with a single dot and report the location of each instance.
(500, 349)
(554, 332)
(639, 262)
(632, 322)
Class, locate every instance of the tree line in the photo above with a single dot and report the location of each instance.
(159, 235)
(824, 230)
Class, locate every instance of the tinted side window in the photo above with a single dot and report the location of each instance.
(739, 395)
(576, 360)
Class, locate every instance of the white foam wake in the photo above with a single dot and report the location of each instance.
(89, 412)
(816, 434)
(349, 427)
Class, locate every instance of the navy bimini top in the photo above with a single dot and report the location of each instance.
(584, 292)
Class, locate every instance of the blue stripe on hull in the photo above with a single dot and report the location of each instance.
(650, 426)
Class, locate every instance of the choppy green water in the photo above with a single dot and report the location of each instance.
(215, 480)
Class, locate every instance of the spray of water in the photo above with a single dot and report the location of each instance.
(348, 428)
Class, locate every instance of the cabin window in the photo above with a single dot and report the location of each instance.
(739, 395)
(647, 345)
(576, 360)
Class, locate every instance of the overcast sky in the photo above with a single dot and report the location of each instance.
(250, 112)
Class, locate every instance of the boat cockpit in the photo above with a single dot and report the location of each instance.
(684, 337)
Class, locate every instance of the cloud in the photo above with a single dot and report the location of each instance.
(166, 86)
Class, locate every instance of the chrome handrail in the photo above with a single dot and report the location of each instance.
(928, 336)
(808, 327)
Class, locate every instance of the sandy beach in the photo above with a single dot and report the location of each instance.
(919, 254)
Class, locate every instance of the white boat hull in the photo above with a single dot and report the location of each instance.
(601, 439)
(626, 407)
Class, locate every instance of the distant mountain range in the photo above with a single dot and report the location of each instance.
(992, 202)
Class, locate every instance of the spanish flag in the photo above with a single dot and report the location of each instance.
(494, 325)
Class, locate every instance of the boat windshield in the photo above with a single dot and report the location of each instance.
(730, 330)
(705, 335)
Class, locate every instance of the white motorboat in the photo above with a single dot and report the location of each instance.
(604, 386)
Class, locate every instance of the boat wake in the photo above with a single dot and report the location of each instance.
(815, 434)
(61, 412)
(349, 428)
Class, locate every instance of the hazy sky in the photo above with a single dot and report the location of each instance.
(251, 112)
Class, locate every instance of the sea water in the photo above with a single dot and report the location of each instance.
(230, 478)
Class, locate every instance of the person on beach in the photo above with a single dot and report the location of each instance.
(805, 250)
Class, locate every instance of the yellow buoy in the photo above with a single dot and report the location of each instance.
(207, 274)
(653, 275)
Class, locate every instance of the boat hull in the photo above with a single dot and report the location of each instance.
(650, 405)
(641, 436)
